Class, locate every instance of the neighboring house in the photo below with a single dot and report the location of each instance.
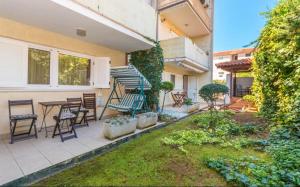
(228, 66)
(185, 31)
(227, 56)
(54, 49)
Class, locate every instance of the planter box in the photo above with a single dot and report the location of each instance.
(191, 108)
(146, 119)
(120, 126)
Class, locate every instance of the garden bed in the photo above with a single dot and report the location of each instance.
(130, 163)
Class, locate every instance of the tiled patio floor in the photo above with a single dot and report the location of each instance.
(28, 156)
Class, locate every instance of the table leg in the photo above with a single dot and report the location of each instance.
(45, 114)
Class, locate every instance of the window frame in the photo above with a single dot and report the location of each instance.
(53, 85)
(92, 61)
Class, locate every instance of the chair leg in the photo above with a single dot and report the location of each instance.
(55, 128)
(12, 131)
(35, 130)
(60, 134)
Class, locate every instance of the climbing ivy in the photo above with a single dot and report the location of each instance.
(151, 64)
(277, 64)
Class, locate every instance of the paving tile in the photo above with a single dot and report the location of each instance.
(9, 170)
(32, 163)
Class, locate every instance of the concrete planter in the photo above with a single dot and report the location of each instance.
(120, 126)
(146, 120)
(191, 108)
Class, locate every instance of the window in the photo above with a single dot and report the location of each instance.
(221, 57)
(172, 78)
(248, 54)
(234, 57)
(73, 70)
(221, 74)
(38, 66)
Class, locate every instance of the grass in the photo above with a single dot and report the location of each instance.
(145, 161)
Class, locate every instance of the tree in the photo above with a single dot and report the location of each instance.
(277, 64)
(166, 87)
(210, 93)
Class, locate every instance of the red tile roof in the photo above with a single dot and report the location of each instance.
(241, 65)
(234, 51)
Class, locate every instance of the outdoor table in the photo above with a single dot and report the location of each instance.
(47, 108)
(178, 99)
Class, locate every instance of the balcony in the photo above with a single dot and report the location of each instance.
(183, 52)
(117, 24)
(136, 15)
(189, 16)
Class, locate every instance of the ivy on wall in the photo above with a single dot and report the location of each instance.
(277, 64)
(151, 64)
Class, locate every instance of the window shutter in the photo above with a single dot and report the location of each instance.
(101, 72)
(13, 63)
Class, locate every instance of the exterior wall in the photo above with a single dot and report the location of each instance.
(138, 15)
(15, 30)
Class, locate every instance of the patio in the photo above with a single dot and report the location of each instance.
(26, 157)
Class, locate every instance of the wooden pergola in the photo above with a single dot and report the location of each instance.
(234, 67)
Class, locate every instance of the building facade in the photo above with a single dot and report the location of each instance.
(228, 56)
(185, 31)
(55, 49)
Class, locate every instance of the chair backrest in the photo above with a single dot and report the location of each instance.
(89, 100)
(75, 100)
(14, 103)
(132, 100)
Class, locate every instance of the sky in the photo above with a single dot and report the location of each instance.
(238, 22)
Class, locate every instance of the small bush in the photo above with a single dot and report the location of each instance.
(188, 101)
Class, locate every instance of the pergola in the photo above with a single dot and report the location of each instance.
(234, 67)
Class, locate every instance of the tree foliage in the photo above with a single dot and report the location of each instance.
(167, 87)
(210, 92)
(277, 64)
(151, 64)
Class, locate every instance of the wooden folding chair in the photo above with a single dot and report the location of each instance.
(83, 120)
(89, 102)
(14, 119)
(68, 114)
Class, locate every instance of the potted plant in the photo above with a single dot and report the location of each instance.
(146, 119)
(190, 106)
(119, 126)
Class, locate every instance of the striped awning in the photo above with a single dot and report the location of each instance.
(130, 77)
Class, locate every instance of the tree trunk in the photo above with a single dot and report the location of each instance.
(163, 104)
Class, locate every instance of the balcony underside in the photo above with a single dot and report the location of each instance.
(185, 64)
(184, 17)
(66, 16)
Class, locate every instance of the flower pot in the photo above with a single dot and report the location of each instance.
(120, 126)
(191, 108)
(146, 120)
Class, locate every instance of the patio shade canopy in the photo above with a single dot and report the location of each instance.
(235, 66)
(129, 77)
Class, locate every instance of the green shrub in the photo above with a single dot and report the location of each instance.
(188, 101)
(153, 60)
(277, 64)
(210, 92)
(227, 133)
(250, 98)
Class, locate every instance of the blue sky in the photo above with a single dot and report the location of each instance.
(238, 22)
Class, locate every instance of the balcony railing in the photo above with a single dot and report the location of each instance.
(182, 47)
(136, 15)
(195, 4)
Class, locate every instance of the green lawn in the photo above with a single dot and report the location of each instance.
(146, 161)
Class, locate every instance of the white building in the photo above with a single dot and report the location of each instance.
(228, 56)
